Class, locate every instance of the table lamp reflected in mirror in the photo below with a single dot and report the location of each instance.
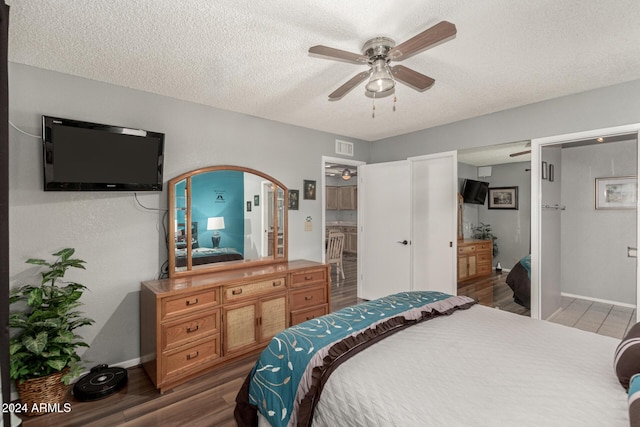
(215, 224)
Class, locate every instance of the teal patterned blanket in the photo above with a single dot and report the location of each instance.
(283, 376)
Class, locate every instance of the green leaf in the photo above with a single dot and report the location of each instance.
(65, 253)
(57, 364)
(14, 347)
(37, 261)
(35, 344)
(64, 337)
(35, 297)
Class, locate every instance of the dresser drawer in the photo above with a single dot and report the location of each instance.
(307, 297)
(467, 249)
(484, 257)
(308, 277)
(238, 292)
(484, 246)
(182, 305)
(176, 362)
(180, 332)
(300, 316)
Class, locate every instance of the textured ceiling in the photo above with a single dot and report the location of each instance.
(251, 56)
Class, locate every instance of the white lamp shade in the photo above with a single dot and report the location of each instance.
(215, 223)
(381, 80)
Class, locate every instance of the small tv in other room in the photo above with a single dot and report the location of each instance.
(474, 192)
(84, 156)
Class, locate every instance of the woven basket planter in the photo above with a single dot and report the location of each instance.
(48, 390)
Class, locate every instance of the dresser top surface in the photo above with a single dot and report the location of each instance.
(194, 282)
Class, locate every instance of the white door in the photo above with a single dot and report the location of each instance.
(384, 218)
(434, 221)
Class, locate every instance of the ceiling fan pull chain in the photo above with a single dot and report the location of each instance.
(394, 103)
(373, 112)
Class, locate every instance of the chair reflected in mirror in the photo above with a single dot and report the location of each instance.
(335, 245)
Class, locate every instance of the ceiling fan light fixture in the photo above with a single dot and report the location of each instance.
(381, 79)
(346, 174)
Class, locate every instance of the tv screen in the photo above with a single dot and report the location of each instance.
(83, 156)
(474, 191)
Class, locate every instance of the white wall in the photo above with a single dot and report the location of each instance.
(594, 242)
(123, 243)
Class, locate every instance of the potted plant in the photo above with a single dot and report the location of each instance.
(42, 348)
(483, 232)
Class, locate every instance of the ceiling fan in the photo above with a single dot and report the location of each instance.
(378, 52)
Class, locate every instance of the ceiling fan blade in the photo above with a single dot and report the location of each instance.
(412, 78)
(519, 153)
(439, 33)
(337, 54)
(346, 88)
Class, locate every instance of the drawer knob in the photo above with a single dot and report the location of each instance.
(308, 298)
(308, 277)
(192, 355)
(192, 302)
(236, 291)
(190, 329)
(278, 283)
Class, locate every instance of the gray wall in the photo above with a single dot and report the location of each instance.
(122, 242)
(511, 227)
(594, 242)
(606, 107)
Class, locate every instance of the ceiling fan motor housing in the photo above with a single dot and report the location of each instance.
(378, 48)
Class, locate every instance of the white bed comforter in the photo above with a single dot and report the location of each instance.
(478, 367)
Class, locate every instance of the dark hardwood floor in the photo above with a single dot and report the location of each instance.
(493, 291)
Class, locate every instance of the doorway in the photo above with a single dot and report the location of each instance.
(554, 200)
(508, 167)
(339, 186)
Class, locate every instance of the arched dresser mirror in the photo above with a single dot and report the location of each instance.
(225, 217)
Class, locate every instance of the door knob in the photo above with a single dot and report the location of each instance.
(403, 242)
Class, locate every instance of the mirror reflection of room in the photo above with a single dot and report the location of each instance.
(231, 216)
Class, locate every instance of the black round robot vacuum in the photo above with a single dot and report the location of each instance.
(101, 381)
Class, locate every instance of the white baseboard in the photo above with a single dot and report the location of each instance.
(622, 304)
(554, 314)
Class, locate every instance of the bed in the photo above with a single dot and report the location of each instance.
(202, 256)
(519, 280)
(447, 362)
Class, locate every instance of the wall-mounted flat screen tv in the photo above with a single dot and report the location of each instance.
(83, 156)
(474, 192)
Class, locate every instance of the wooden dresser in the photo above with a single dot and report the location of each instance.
(195, 323)
(474, 259)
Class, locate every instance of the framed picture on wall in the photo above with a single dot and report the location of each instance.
(503, 198)
(309, 189)
(616, 192)
(294, 199)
